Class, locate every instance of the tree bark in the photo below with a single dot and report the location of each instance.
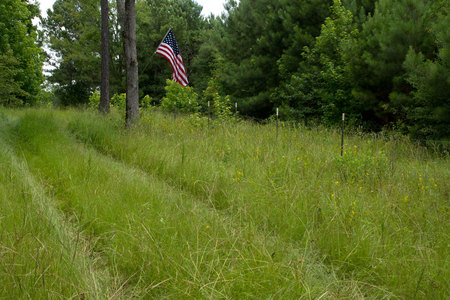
(129, 39)
(104, 87)
(121, 12)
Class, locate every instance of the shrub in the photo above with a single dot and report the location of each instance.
(94, 100)
(179, 98)
(117, 101)
(146, 102)
(222, 107)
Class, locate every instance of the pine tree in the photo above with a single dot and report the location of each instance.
(127, 16)
(261, 46)
(321, 89)
(104, 90)
(428, 110)
(376, 58)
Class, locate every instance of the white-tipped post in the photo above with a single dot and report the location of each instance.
(209, 113)
(277, 122)
(342, 137)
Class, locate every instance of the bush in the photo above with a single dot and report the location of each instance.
(222, 107)
(117, 101)
(179, 98)
(146, 102)
(94, 100)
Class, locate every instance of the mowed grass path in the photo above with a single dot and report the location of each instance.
(175, 210)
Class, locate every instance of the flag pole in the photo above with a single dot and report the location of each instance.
(145, 68)
(162, 40)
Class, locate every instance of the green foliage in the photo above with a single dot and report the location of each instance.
(198, 120)
(260, 47)
(376, 60)
(384, 63)
(20, 55)
(73, 94)
(208, 61)
(222, 106)
(302, 21)
(45, 99)
(94, 100)
(386, 69)
(72, 29)
(360, 9)
(179, 99)
(146, 102)
(10, 90)
(117, 101)
(153, 19)
(73, 32)
(322, 88)
(428, 109)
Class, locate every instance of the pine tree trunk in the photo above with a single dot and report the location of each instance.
(104, 88)
(121, 12)
(129, 35)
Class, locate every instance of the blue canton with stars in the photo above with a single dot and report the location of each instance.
(170, 40)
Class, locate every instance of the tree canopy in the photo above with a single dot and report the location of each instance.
(21, 57)
(384, 63)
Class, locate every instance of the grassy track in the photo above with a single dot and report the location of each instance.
(41, 255)
(174, 210)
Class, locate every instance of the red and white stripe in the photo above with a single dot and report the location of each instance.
(179, 74)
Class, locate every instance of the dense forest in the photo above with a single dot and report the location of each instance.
(386, 64)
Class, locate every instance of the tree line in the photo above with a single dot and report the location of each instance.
(384, 63)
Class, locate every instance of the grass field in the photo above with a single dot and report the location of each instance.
(173, 209)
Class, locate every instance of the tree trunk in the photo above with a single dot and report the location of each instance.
(129, 40)
(121, 12)
(104, 88)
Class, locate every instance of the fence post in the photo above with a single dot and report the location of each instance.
(393, 154)
(277, 122)
(175, 112)
(342, 136)
(209, 113)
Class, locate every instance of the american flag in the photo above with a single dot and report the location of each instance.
(169, 49)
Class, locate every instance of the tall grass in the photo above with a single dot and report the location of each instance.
(175, 209)
(41, 255)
